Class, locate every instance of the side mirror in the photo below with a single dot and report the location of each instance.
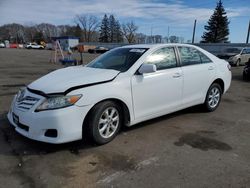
(147, 68)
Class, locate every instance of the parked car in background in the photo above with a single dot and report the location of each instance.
(122, 87)
(98, 50)
(34, 46)
(13, 45)
(240, 59)
(246, 71)
(2, 45)
(229, 52)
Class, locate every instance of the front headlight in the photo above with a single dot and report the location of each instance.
(57, 102)
(20, 94)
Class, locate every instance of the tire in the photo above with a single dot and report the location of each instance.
(237, 63)
(213, 97)
(244, 76)
(103, 112)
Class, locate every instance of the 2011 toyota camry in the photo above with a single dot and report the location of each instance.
(122, 87)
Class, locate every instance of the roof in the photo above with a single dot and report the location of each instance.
(156, 45)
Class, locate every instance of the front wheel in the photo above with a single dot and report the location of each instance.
(104, 122)
(213, 97)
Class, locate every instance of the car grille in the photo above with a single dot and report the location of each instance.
(26, 103)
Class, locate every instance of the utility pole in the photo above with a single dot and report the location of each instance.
(168, 34)
(194, 31)
(152, 35)
(248, 32)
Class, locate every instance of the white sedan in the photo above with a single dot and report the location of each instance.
(122, 87)
(34, 46)
(241, 59)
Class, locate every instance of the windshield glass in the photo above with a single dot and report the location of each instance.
(120, 59)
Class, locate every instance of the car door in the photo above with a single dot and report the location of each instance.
(159, 92)
(34, 46)
(198, 73)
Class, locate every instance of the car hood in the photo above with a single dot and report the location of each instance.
(67, 79)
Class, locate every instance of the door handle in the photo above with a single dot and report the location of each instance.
(177, 75)
(211, 68)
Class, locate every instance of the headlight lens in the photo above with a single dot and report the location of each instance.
(58, 102)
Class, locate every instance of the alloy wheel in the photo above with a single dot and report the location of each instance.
(214, 97)
(108, 122)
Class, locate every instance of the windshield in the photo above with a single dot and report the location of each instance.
(120, 59)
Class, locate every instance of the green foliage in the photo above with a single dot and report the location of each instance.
(110, 30)
(217, 30)
(104, 30)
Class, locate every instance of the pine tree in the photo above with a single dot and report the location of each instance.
(118, 32)
(104, 31)
(217, 30)
(112, 28)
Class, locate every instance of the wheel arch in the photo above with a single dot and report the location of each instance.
(125, 111)
(221, 83)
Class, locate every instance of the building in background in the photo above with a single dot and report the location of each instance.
(67, 42)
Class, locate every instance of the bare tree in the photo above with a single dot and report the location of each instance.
(48, 30)
(13, 32)
(89, 26)
(129, 31)
(141, 38)
(158, 39)
(30, 32)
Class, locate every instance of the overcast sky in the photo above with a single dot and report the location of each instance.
(178, 15)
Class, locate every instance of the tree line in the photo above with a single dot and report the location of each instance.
(87, 27)
(109, 30)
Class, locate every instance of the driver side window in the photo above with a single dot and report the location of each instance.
(163, 58)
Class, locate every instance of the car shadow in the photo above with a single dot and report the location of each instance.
(16, 144)
(12, 143)
(190, 110)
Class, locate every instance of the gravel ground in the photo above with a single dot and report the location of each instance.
(189, 148)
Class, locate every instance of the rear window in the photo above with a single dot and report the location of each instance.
(192, 56)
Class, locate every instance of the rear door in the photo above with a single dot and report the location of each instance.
(245, 56)
(198, 72)
(160, 92)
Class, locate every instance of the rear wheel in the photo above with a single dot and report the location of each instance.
(244, 76)
(237, 63)
(213, 97)
(105, 122)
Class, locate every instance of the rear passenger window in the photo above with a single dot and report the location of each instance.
(189, 56)
(204, 58)
(163, 58)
